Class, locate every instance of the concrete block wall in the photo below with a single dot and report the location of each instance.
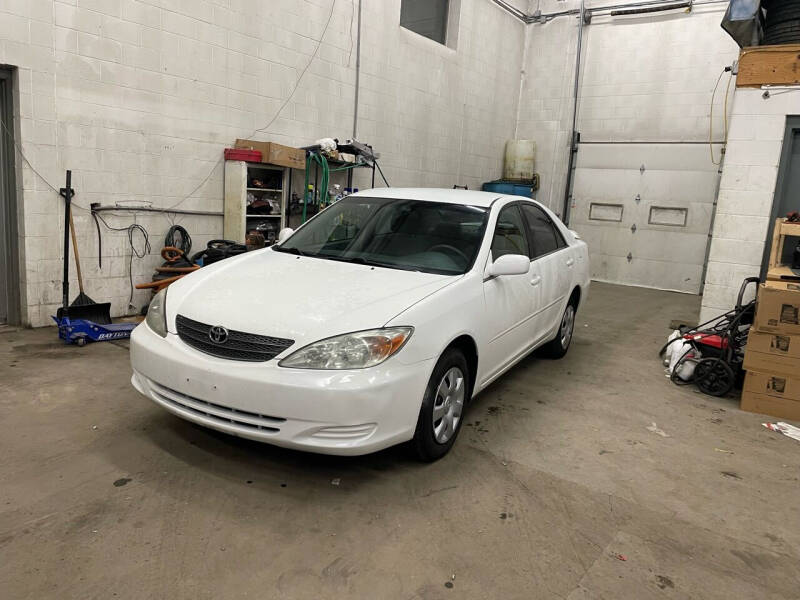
(747, 189)
(646, 78)
(139, 98)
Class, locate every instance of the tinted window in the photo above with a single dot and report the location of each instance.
(425, 17)
(545, 238)
(509, 234)
(399, 234)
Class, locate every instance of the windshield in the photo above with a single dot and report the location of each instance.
(433, 237)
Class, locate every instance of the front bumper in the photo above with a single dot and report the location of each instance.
(331, 412)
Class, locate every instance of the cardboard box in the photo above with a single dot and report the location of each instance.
(778, 311)
(769, 405)
(793, 286)
(772, 384)
(773, 353)
(276, 154)
(772, 394)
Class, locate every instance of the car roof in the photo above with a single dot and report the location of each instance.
(466, 197)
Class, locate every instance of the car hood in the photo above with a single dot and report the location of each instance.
(300, 298)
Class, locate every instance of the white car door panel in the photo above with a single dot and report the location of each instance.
(555, 291)
(513, 302)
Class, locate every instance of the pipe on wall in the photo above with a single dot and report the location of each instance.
(174, 211)
(512, 10)
(661, 4)
(573, 142)
(358, 74)
(649, 9)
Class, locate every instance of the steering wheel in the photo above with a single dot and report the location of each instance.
(452, 249)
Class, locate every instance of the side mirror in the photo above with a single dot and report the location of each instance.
(510, 264)
(285, 234)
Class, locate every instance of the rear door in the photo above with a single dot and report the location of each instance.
(554, 260)
(512, 301)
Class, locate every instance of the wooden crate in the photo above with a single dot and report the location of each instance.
(778, 271)
(769, 65)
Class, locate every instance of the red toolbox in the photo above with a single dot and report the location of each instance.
(242, 154)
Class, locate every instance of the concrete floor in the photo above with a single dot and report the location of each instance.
(555, 489)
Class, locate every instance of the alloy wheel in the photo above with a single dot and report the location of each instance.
(567, 325)
(448, 405)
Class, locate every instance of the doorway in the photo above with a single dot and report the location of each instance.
(787, 189)
(9, 263)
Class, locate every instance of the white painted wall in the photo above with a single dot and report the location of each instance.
(645, 93)
(139, 98)
(747, 189)
(643, 79)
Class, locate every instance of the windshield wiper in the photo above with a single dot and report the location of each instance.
(360, 260)
(296, 251)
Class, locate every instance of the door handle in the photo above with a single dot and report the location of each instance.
(536, 280)
(570, 262)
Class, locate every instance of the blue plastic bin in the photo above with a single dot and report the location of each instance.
(511, 188)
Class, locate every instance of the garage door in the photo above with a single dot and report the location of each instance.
(645, 211)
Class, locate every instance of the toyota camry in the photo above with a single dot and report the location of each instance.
(374, 323)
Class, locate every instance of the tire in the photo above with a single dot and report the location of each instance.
(447, 393)
(558, 346)
(787, 32)
(714, 377)
(780, 12)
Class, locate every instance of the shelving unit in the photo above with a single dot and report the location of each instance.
(309, 206)
(778, 271)
(241, 193)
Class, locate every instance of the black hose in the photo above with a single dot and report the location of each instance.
(131, 229)
(175, 233)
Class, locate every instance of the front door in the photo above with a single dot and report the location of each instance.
(511, 300)
(787, 191)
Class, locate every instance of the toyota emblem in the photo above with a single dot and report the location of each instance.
(218, 334)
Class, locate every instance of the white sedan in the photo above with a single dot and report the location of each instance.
(373, 324)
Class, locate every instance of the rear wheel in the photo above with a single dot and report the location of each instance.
(442, 410)
(558, 346)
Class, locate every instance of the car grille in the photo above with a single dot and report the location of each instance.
(239, 345)
(217, 412)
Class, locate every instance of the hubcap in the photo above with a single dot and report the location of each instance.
(567, 324)
(448, 404)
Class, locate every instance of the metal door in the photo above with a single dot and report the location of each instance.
(645, 211)
(8, 215)
(787, 190)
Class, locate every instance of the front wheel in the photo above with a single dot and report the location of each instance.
(442, 407)
(558, 347)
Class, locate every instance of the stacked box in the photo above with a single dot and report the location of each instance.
(772, 358)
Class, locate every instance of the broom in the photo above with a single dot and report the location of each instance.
(83, 307)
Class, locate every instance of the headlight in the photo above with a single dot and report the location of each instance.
(157, 313)
(357, 350)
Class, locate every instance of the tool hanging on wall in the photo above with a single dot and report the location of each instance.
(83, 320)
(83, 307)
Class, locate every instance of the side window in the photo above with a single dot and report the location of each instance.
(545, 238)
(426, 17)
(509, 234)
